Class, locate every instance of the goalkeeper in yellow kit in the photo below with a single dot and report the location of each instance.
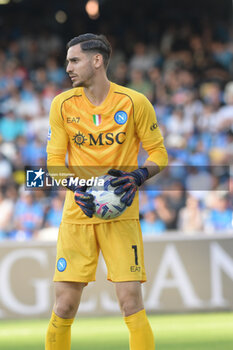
(102, 124)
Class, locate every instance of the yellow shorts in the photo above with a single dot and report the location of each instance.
(78, 249)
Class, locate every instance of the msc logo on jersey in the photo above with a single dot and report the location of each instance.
(61, 264)
(121, 117)
(35, 178)
(100, 139)
(79, 139)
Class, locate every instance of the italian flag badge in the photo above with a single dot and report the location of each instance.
(97, 119)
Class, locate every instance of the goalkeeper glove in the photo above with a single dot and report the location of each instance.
(83, 199)
(128, 183)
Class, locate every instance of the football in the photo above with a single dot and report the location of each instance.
(108, 205)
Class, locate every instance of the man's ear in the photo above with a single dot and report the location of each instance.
(98, 60)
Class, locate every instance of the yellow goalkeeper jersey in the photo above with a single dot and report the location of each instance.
(98, 138)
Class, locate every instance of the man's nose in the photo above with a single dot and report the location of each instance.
(68, 68)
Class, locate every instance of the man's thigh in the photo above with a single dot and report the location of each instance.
(77, 253)
(122, 248)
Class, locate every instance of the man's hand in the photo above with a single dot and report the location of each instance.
(85, 200)
(128, 183)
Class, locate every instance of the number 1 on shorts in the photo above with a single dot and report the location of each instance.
(135, 248)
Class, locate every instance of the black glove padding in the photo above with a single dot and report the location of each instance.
(85, 200)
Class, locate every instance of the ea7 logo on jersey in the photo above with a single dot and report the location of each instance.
(73, 120)
(99, 139)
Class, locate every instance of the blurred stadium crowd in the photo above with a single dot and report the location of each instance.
(187, 76)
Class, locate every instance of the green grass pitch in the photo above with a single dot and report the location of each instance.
(212, 331)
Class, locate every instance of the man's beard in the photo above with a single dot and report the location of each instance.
(78, 84)
(84, 83)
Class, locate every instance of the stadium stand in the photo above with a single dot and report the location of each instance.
(185, 70)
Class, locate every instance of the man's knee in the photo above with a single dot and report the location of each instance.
(68, 297)
(129, 297)
(130, 305)
(65, 308)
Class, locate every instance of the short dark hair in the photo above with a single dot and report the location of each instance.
(93, 42)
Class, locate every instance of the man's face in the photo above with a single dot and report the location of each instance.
(79, 66)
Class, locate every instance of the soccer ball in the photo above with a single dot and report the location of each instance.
(108, 205)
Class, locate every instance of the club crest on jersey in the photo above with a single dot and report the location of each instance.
(97, 119)
(121, 117)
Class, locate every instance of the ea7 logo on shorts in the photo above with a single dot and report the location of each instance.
(61, 264)
(35, 178)
(135, 268)
(153, 126)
